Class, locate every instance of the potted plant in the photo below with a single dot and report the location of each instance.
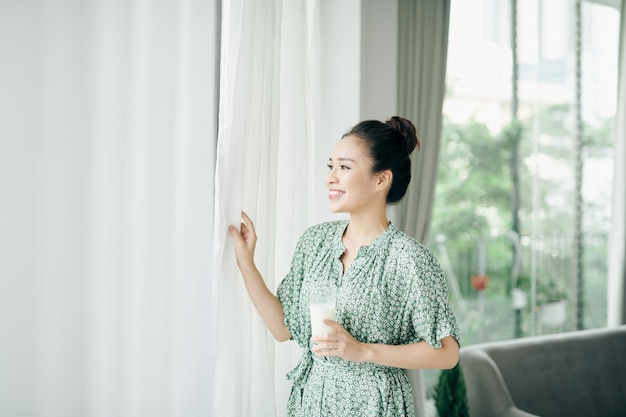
(549, 292)
(450, 393)
(552, 304)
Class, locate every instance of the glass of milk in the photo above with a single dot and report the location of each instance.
(322, 306)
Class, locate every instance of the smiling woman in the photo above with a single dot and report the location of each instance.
(392, 308)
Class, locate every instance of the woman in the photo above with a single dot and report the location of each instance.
(392, 303)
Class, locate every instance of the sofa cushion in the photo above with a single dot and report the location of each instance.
(568, 374)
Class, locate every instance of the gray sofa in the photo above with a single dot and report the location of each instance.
(579, 373)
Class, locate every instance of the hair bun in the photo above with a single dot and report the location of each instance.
(406, 130)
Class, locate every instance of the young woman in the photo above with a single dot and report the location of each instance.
(391, 296)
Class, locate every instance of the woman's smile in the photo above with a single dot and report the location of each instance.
(335, 194)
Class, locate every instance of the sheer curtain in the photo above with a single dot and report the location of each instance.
(266, 129)
(107, 155)
(617, 247)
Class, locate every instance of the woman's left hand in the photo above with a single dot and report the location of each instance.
(338, 343)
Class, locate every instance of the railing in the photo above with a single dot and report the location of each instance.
(544, 275)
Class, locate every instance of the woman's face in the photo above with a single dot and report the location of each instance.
(352, 187)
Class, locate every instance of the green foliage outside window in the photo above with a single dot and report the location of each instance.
(474, 199)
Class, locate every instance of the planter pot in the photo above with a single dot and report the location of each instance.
(553, 314)
(518, 299)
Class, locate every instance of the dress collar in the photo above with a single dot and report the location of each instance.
(377, 245)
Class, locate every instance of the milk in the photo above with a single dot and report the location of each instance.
(319, 312)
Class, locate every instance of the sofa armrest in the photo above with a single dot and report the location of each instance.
(487, 393)
(516, 412)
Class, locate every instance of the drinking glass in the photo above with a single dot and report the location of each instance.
(322, 306)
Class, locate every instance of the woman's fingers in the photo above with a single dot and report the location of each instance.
(245, 232)
(247, 223)
(246, 218)
(338, 343)
(235, 234)
(245, 240)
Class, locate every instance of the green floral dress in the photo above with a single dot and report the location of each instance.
(394, 293)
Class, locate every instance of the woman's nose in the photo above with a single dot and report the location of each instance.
(331, 178)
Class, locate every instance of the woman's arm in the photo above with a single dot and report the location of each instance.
(414, 356)
(266, 303)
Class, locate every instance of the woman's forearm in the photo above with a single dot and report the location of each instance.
(414, 356)
(420, 355)
(267, 305)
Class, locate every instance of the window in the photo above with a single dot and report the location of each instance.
(522, 207)
(521, 214)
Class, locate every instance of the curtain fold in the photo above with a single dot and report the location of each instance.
(617, 247)
(266, 127)
(110, 143)
(422, 54)
(151, 201)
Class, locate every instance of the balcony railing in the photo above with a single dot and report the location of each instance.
(516, 282)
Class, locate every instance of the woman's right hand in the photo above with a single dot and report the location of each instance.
(245, 241)
(266, 303)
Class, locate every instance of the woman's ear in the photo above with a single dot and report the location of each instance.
(384, 179)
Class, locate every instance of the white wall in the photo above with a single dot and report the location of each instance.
(358, 76)
(379, 56)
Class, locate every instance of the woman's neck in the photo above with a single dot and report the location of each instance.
(363, 229)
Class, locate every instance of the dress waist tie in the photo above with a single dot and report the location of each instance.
(300, 373)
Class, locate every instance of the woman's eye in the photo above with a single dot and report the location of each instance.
(342, 167)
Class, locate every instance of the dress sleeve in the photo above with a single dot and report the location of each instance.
(433, 318)
(289, 295)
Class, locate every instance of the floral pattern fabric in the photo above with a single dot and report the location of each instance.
(393, 293)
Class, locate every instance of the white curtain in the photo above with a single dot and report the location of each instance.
(108, 137)
(617, 247)
(267, 124)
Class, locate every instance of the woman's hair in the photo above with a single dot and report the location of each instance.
(390, 144)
